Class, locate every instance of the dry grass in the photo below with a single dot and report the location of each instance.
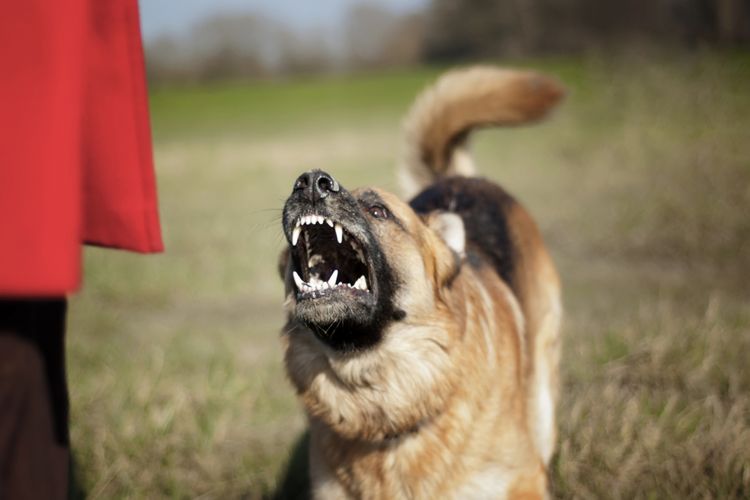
(641, 184)
(661, 409)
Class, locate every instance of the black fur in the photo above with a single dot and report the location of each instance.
(484, 207)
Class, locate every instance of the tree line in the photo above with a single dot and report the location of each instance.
(251, 45)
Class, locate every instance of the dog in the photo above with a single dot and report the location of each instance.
(422, 337)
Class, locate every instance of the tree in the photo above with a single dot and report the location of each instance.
(377, 37)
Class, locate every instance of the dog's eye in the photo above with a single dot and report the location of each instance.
(378, 211)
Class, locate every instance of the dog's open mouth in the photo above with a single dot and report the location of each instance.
(327, 260)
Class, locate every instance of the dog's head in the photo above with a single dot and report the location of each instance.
(360, 260)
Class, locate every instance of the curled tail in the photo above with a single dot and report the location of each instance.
(442, 117)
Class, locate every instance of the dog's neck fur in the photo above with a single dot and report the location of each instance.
(371, 431)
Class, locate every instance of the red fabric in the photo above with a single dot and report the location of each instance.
(75, 146)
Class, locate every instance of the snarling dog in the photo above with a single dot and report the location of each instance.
(422, 338)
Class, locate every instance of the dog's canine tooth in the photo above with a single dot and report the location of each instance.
(339, 233)
(361, 283)
(329, 222)
(298, 281)
(332, 279)
(295, 235)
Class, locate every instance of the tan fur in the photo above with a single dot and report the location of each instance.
(440, 120)
(457, 400)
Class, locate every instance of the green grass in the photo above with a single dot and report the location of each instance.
(639, 183)
(268, 107)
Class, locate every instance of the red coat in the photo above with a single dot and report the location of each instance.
(75, 145)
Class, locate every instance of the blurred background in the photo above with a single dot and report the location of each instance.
(640, 183)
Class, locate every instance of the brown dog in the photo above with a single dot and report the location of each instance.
(422, 338)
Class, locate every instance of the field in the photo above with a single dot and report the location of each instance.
(640, 183)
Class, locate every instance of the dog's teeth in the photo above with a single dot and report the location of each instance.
(316, 284)
(295, 235)
(298, 281)
(332, 279)
(329, 222)
(339, 232)
(321, 219)
(361, 283)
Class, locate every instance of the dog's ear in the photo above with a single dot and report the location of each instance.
(449, 253)
(283, 260)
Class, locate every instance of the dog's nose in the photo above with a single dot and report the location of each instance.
(316, 184)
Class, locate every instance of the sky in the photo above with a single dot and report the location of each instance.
(174, 16)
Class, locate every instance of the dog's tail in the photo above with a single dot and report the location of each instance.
(438, 125)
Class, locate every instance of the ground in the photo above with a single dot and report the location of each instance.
(640, 183)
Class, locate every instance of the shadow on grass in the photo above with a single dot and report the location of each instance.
(75, 488)
(294, 482)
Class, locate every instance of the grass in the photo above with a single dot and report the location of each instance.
(640, 185)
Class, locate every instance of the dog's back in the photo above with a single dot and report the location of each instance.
(500, 234)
